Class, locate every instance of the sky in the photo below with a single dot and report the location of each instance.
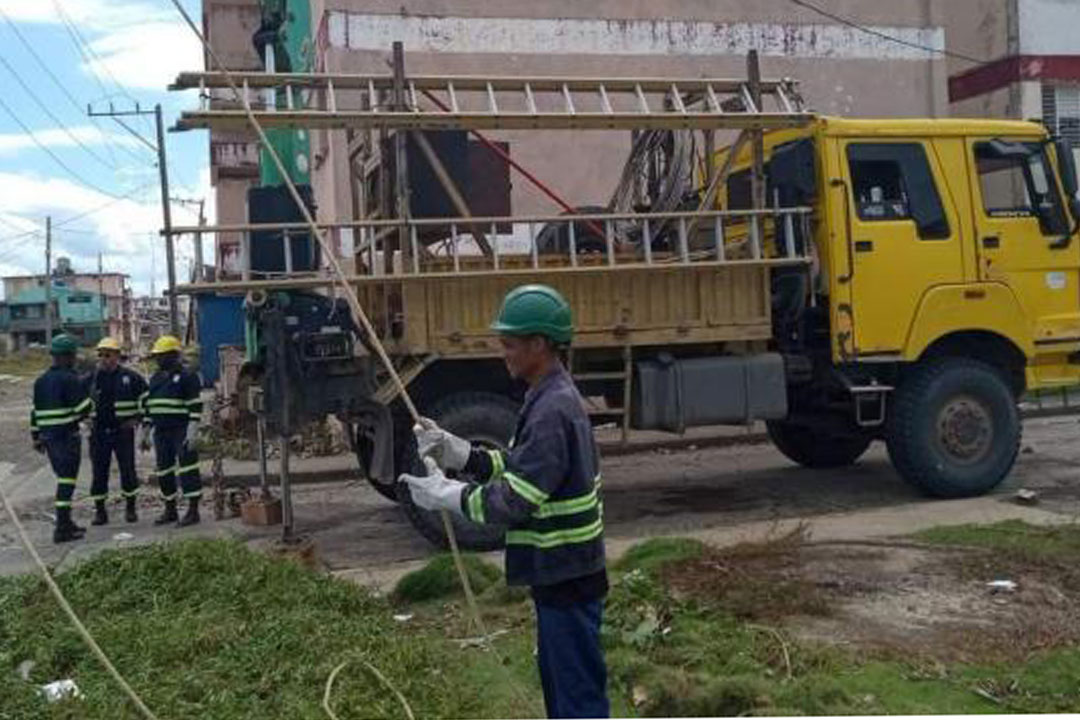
(97, 181)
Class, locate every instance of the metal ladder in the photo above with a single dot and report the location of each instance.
(435, 102)
(589, 379)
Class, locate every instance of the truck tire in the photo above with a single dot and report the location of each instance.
(483, 418)
(814, 449)
(402, 461)
(954, 429)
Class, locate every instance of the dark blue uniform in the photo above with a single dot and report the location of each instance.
(60, 402)
(546, 491)
(170, 403)
(116, 398)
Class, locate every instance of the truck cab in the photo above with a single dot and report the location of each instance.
(947, 284)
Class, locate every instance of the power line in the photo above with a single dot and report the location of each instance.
(45, 109)
(54, 156)
(885, 36)
(89, 50)
(110, 144)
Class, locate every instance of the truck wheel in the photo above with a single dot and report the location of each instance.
(814, 449)
(954, 430)
(484, 419)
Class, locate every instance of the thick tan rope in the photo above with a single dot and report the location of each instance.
(338, 275)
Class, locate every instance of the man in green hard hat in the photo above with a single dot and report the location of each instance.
(60, 403)
(545, 491)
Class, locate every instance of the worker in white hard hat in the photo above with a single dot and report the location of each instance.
(116, 391)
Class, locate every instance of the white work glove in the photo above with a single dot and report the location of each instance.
(436, 491)
(144, 438)
(446, 449)
(191, 435)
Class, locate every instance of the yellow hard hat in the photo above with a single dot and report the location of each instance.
(108, 343)
(166, 344)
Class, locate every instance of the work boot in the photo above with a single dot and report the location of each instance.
(169, 516)
(66, 530)
(130, 515)
(100, 516)
(191, 517)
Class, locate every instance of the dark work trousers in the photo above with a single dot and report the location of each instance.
(64, 448)
(571, 659)
(104, 443)
(175, 460)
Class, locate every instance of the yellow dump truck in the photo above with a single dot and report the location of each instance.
(844, 281)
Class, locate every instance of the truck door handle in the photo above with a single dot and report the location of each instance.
(864, 246)
(992, 242)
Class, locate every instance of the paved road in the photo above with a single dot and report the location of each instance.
(711, 492)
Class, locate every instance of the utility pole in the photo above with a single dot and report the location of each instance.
(163, 173)
(170, 258)
(48, 279)
(101, 295)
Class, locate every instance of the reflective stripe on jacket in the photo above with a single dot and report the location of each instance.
(116, 395)
(172, 398)
(60, 402)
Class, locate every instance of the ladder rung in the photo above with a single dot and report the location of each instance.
(606, 413)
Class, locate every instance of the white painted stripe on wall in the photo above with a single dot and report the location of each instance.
(371, 31)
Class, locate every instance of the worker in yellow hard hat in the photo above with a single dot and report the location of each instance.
(174, 409)
(116, 391)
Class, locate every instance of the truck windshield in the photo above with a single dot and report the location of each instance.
(1016, 181)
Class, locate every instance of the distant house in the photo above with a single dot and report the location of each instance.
(88, 306)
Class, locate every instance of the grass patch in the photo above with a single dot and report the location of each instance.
(26, 363)
(652, 555)
(439, 579)
(1016, 537)
(208, 629)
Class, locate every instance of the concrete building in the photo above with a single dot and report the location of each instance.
(88, 306)
(996, 58)
(1030, 63)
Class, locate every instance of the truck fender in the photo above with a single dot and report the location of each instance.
(987, 307)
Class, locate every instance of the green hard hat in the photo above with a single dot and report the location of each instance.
(63, 344)
(535, 310)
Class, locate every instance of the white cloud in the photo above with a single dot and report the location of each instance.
(147, 55)
(126, 232)
(89, 15)
(12, 143)
(141, 45)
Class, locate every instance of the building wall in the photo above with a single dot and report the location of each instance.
(234, 156)
(841, 68)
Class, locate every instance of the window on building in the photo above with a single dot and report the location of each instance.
(79, 299)
(893, 182)
(1015, 182)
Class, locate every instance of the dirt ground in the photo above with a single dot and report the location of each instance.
(927, 605)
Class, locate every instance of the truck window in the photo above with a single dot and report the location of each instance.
(1014, 181)
(893, 181)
